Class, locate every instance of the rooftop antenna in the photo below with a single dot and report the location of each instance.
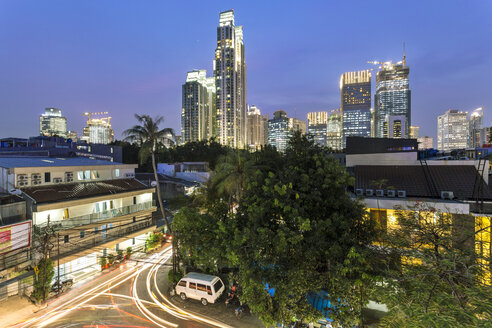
(404, 57)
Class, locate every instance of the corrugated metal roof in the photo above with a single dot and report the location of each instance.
(460, 179)
(28, 161)
(71, 191)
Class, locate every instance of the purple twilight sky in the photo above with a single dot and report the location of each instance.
(129, 57)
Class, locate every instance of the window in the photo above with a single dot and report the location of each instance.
(47, 177)
(134, 219)
(94, 174)
(82, 234)
(182, 283)
(134, 200)
(209, 290)
(117, 173)
(192, 285)
(201, 288)
(98, 208)
(218, 285)
(65, 239)
(105, 206)
(66, 213)
(111, 204)
(80, 175)
(96, 230)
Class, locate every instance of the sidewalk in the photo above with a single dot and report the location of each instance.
(15, 309)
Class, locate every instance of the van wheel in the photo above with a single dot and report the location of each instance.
(204, 301)
(183, 296)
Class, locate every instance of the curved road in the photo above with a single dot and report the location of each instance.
(129, 297)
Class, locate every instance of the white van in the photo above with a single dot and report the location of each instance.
(199, 286)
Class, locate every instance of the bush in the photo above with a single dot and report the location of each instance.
(120, 255)
(103, 261)
(110, 259)
(42, 283)
(128, 252)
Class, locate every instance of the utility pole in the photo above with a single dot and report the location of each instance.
(58, 261)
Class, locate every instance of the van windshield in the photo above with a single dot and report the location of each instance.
(218, 285)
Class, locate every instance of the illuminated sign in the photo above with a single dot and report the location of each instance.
(15, 236)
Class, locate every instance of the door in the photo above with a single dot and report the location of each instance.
(191, 292)
(201, 292)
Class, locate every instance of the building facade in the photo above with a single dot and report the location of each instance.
(334, 130)
(394, 126)
(98, 130)
(452, 130)
(355, 91)
(52, 123)
(198, 106)
(230, 82)
(425, 142)
(281, 129)
(318, 126)
(392, 97)
(257, 128)
(476, 135)
(414, 132)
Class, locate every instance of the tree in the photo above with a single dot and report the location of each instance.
(42, 282)
(440, 280)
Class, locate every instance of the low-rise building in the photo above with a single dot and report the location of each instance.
(188, 171)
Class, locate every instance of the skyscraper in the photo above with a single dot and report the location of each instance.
(355, 91)
(98, 130)
(394, 126)
(230, 82)
(392, 96)
(476, 135)
(281, 129)
(414, 132)
(257, 128)
(425, 142)
(452, 130)
(52, 123)
(334, 130)
(317, 126)
(198, 106)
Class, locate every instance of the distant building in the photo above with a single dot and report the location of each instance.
(392, 96)
(425, 142)
(230, 82)
(98, 130)
(317, 126)
(355, 92)
(414, 132)
(476, 135)
(334, 130)
(394, 126)
(72, 135)
(452, 130)
(281, 128)
(52, 123)
(198, 106)
(256, 128)
(188, 171)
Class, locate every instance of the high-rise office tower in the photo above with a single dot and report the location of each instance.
(476, 135)
(198, 106)
(98, 129)
(425, 142)
(414, 132)
(52, 123)
(452, 130)
(230, 82)
(334, 130)
(394, 126)
(257, 128)
(317, 126)
(392, 96)
(281, 129)
(355, 91)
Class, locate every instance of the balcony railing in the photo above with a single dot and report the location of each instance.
(99, 216)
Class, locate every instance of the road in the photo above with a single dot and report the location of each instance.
(130, 296)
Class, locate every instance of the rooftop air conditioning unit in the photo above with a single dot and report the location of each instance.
(369, 192)
(359, 192)
(35, 176)
(36, 182)
(401, 193)
(57, 180)
(69, 174)
(68, 179)
(391, 193)
(447, 195)
(379, 193)
(22, 177)
(130, 175)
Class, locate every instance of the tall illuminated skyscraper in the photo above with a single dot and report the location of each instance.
(355, 91)
(392, 96)
(452, 130)
(414, 132)
(476, 135)
(198, 106)
(334, 130)
(281, 129)
(52, 123)
(317, 126)
(230, 82)
(257, 128)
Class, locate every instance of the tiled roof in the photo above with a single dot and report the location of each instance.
(71, 191)
(460, 179)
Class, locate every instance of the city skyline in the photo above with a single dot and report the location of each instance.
(90, 67)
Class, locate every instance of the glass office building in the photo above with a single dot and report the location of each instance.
(355, 91)
(392, 97)
(452, 130)
(52, 123)
(281, 128)
(317, 126)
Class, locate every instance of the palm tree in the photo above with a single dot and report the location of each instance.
(149, 137)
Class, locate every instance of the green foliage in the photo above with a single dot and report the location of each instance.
(291, 225)
(42, 283)
(102, 261)
(110, 259)
(438, 284)
(153, 240)
(119, 255)
(129, 251)
(174, 277)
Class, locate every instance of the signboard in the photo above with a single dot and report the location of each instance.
(15, 236)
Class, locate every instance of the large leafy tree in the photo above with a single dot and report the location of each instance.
(440, 282)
